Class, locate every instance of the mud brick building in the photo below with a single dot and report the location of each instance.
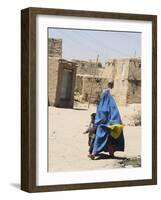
(61, 76)
(125, 74)
(79, 80)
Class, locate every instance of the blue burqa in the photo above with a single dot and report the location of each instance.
(107, 114)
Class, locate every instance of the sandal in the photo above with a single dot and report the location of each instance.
(91, 156)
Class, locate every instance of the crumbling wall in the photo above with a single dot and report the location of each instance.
(55, 48)
(87, 67)
(134, 72)
(117, 69)
(53, 67)
(125, 74)
(134, 81)
(134, 91)
(89, 87)
(56, 68)
(120, 91)
(54, 54)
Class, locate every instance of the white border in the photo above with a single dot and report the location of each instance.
(144, 172)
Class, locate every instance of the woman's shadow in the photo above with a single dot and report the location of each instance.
(103, 156)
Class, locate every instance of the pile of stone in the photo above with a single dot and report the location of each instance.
(131, 114)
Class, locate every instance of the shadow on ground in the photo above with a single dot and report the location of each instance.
(106, 156)
(124, 162)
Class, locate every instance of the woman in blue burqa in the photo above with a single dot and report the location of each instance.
(109, 129)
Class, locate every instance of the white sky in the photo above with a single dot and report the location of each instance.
(87, 44)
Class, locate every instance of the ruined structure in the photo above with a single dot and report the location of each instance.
(89, 87)
(87, 67)
(55, 48)
(61, 76)
(89, 83)
(84, 80)
(125, 74)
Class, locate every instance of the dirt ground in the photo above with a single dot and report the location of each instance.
(68, 146)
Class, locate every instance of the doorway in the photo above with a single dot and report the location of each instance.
(66, 84)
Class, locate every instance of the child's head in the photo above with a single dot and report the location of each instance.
(93, 115)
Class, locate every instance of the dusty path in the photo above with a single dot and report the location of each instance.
(68, 147)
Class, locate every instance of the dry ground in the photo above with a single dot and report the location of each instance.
(68, 147)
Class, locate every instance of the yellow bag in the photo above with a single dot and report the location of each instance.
(115, 130)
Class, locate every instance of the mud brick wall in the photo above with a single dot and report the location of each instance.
(54, 54)
(53, 67)
(55, 48)
(84, 84)
(125, 73)
(134, 92)
(87, 67)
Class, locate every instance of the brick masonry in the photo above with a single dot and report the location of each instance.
(124, 73)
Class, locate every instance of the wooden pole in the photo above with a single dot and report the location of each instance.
(94, 74)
